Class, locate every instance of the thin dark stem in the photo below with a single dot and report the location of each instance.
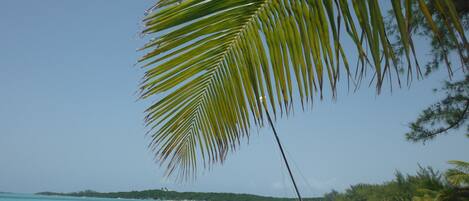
(283, 155)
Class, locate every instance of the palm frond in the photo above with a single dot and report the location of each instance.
(460, 165)
(216, 65)
(459, 176)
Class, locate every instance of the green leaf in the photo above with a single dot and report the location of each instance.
(215, 66)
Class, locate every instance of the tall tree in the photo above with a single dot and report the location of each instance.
(217, 67)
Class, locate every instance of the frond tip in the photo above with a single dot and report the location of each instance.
(212, 60)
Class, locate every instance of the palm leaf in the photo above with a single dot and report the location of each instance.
(460, 165)
(216, 65)
(459, 176)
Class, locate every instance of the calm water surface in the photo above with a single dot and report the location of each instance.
(29, 197)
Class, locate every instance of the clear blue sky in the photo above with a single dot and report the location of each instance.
(69, 119)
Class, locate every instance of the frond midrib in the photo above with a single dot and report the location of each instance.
(241, 31)
(203, 97)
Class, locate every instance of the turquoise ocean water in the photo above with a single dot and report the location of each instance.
(30, 197)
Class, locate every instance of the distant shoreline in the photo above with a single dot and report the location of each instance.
(174, 195)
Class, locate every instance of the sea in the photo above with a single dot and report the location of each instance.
(32, 197)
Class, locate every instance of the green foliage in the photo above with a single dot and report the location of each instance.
(459, 176)
(426, 185)
(173, 195)
(216, 66)
(449, 113)
(442, 43)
